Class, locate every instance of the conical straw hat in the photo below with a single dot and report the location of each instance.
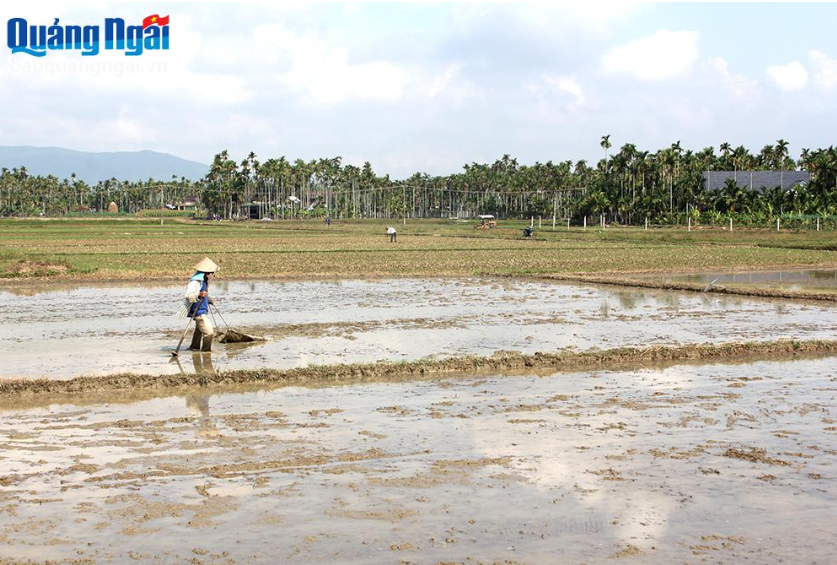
(206, 266)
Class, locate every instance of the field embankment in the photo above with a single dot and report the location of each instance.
(624, 357)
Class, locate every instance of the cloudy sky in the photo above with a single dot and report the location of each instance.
(430, 86)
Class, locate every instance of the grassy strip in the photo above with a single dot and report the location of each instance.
(134, 249)
(626, 357)
(175, 264)
(633, 283)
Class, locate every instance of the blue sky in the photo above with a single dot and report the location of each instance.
(430, 87)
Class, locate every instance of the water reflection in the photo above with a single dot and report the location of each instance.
(628, 299)
(202, 363)
(198, 405)
(803, 279)
(604, 309)
(61, 334)
(607, 459)
(198, 402)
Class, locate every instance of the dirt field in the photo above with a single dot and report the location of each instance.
(143, 249)
(720, 463)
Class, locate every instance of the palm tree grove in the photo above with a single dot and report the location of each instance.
(626, 187)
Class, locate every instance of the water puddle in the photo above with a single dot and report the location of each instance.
(66, 331)
(796, 280)
(688, 463)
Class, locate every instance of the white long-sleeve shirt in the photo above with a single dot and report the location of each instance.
(193, 289)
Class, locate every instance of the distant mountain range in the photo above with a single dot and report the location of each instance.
(93, 167)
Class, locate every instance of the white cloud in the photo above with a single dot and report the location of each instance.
(565, 84)
(792, 76)
(325, 73)
(664, 55)
(825, 75)
(736, 86)
(549, 17)
(128, 128)
(441, 81)
(717, 65)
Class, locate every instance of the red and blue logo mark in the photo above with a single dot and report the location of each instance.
(133, 40)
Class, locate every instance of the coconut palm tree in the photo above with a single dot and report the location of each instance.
(781, 154)
(605, 144)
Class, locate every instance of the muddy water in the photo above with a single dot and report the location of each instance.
(796, 280)
(63, 332)
(686, 464)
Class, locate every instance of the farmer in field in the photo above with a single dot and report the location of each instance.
(391, 233)
(197, 295)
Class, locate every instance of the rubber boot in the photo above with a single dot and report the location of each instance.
(196, 341)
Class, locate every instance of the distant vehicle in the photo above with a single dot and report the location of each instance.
(171, 206)
(266, 219)
(487, 222)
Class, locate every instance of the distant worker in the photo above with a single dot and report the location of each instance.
(527, 231)
(328, 220)
(197, 297)
(391, 233)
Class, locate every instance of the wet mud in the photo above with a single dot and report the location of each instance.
(818, 280)
(708, 463)
(810, 285)
(206, 375)
(62, 332)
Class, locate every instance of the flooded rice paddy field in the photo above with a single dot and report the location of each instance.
(66, 331)
(815, 280)
(686, 464)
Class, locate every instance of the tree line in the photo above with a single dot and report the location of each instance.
(628, 186)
